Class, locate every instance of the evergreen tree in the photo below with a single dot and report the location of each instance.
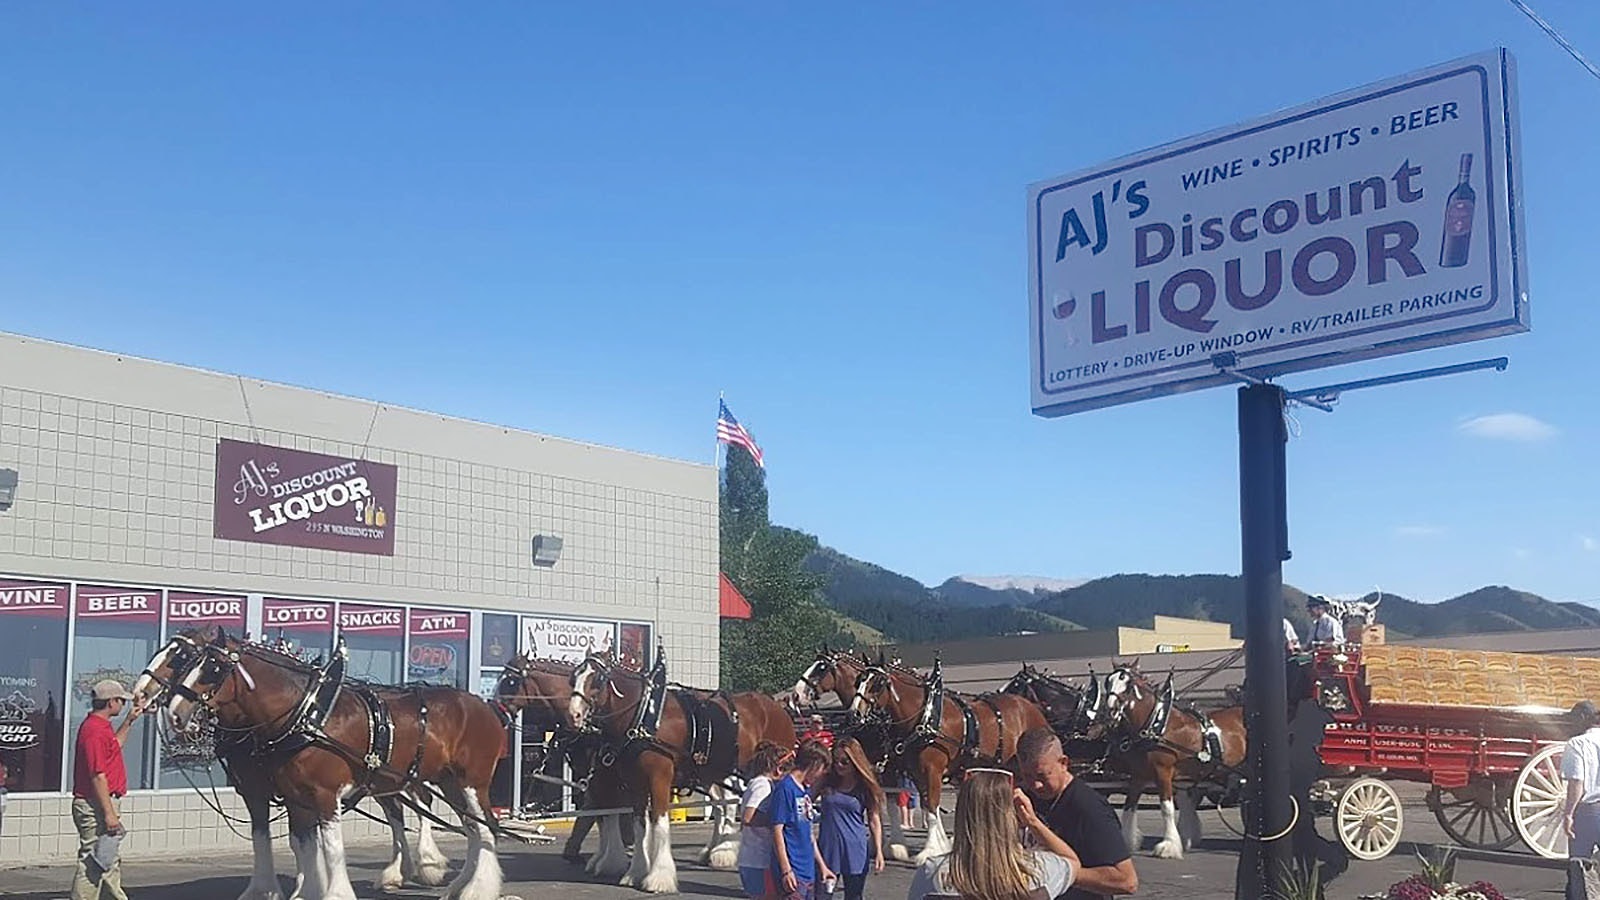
(768, 651)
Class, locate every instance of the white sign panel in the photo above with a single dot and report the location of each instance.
(568, 639)
(1379, 221)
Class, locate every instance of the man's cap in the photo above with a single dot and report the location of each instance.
(111, 689)
(1316, 600)
(1584, 710)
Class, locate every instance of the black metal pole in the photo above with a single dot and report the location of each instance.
(1263, 532)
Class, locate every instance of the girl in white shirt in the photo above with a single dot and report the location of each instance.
(755, 834)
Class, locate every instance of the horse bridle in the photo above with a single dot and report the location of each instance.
(180, 654)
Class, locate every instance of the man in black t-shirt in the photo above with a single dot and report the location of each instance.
(1078, 815)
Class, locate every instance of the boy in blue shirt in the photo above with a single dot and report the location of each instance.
(794, 845)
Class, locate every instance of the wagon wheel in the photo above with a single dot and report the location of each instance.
(1476, 815)
(1369, 818)
(1538, 802)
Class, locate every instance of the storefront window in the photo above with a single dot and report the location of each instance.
(33, 677)
(633, 645)
(302, 628)
(375, 636)
(568, 639)
(437, 651)
(118, 629)
(185, 758)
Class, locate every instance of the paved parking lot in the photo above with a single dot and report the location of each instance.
(537, 872)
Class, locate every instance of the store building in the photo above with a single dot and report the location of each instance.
(139, 498)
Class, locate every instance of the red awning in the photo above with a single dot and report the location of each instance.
(732, 603)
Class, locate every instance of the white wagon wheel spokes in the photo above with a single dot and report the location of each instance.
(1369, 818)
(1538, 804)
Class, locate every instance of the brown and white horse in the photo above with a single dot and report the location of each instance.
(543, 687)
(1165, 753)
(937, 733)
(260, 698)
(252, 781)
(698, 739)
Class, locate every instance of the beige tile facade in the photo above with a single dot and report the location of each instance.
(116, 462)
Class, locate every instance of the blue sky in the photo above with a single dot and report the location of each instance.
(588, 219)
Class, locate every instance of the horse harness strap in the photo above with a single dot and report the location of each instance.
(1210, 736)
(969, 723)
(305, 725)
(380, 747)
(647, 718)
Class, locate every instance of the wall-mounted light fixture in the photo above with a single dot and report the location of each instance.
(8, 488)
(546, 549)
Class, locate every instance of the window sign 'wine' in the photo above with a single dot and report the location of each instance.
(1378, 221)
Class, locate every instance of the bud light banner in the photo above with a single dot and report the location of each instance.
(566, 639)
(124, 603)
(1379, 221)
(186, 610)
(274, 495)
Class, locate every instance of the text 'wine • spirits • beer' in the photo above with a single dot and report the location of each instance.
(1458, 209)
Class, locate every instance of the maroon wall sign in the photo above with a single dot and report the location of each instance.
(296, 615)
(187, 610)
(32, 598)
(127, 604)
(360, 618)
(273, 495)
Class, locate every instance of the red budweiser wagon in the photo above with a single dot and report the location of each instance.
(1484, 729)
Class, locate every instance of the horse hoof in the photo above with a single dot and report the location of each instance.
(388, 883)
(724, 856)
(431, 875)
(899, 852)
(1169, 850)
(659, 884)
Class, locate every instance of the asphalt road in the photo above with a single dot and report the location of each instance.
(538, 872)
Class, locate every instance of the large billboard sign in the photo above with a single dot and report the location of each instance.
(274, 495)
(1382, 220)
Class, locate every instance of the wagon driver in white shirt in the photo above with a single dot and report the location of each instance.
(1325, 629)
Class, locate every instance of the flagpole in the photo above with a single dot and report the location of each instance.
(716, 452)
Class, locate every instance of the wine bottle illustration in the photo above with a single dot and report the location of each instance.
(1458, 208)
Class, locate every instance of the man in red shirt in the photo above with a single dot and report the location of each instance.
(99, 779)
(817, 732)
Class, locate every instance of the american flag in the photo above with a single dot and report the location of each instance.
(729, 431)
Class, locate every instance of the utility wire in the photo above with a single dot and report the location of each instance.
(1556, 36)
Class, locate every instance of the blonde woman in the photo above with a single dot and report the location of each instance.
(988, 861)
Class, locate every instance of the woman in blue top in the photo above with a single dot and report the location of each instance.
(852, 806)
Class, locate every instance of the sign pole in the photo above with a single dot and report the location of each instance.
(1263, 531)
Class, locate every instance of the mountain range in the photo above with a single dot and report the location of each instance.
(877, 605)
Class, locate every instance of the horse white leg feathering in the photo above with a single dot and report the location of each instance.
(1189, 819)
(1171, 843)
(639, 866)
(662, 876)
(263, 877)
(334, 873)
(897, 836)
(432, 864)
(610, 859)
(486, 879)
(938, 840)
(1130, 827)
(722, 850)
(401, 863)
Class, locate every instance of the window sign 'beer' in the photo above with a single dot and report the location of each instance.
(275, 495)
(1382, 220)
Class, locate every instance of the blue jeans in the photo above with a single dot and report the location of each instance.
(1585, 831)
